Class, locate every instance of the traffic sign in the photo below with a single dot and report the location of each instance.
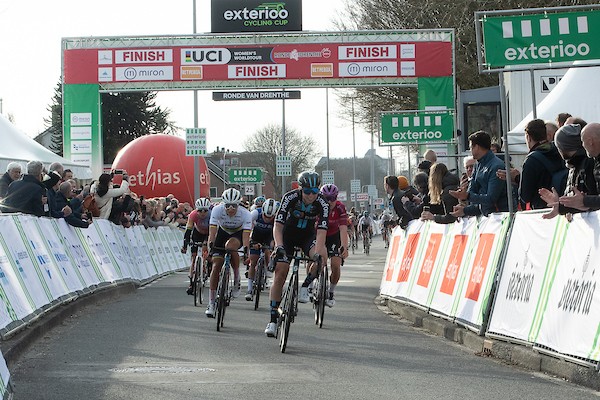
(362, 196)
(355, 185)
(245, 175)
(343, 195)
(416, 126)
(195, 141)
(372, 190)
(283, 166)
(249, 190)
(328, 177)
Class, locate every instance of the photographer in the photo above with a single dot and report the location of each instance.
(104, 192)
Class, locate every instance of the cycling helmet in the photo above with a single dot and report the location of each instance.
(232, 196)
(269, 208)
(309, 179)
(330, 191)
(202, 203)
(259, 201)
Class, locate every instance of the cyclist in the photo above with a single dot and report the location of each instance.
(196, 231)
(354, 217)
(258, 203)
(296, 225)
(230, 227)
(263, 219)
(385, 224)
(365, 223)
(337, 237)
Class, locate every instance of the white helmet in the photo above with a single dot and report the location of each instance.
(231, 196)
(202, 203)
(269, 208)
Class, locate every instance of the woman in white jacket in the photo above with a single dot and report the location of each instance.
(104, 193)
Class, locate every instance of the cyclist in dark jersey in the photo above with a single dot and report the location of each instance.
(301, 221)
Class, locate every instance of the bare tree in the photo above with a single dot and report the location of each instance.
(266, 145)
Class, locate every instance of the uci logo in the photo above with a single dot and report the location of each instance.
(205, 56)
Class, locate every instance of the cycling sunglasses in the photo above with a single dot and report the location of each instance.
(230, 206)
(331, 198)
(313, 190)
(202, 209)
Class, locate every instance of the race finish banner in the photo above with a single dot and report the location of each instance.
(403, 127)
(526, 39)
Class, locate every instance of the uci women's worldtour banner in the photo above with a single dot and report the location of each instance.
(230, 16)
(544, 38)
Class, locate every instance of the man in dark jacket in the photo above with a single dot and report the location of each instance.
(486, 192)
(535, 174)
(13, 173)
(63, 199)
(27, 195)
(390, 183)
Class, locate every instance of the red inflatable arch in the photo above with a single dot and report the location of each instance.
(157, 166)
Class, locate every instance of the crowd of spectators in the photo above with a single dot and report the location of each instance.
(55, 192)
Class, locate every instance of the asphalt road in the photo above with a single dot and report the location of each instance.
(154, 344)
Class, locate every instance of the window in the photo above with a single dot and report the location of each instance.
(483, 116)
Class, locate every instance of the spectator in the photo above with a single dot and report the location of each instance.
(581, 179)
(52, 182)
(414, 203)
(535, 174)
(496, 148)
(441, 203)
(390, 184)
(424, 166)
(67, 174)
(575, 121)
(13, 173)
(551, 129)
(27, 195)
(430, 156)
(54, 167)
(151, 217)
(104, 193)
(63, 199)
(486, 192)
(561, 118)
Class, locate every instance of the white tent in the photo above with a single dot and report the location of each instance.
(576, 93)
(17, 146)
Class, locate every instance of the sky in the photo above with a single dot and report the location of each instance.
(30, 69)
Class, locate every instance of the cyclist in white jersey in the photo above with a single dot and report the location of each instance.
(230, 227)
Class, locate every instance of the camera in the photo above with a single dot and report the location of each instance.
(118, 172)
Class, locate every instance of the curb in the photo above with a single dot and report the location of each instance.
(521, 355)
(14, 346)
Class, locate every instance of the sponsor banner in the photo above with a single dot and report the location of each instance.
(164, 242)
(72, 239)
(4, 378)
(155, 251)
(542, 38)
(452, 268)
(529, 264)
(96, 251)
(397, 243)
(79, 119)
(475, 288)
(17, 303)
(570, 314)
(147, 249)
(436, 240)
(70, 276)
(407, 259)
(164, 264)
(114, 245)
(81, 132)
(416, 126)
(230, 16)
(213, 62)
(135, 247)
(26, 270)
(257, 95)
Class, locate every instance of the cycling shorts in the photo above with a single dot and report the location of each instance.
(222, 238)
(333, 243)
(197, 237)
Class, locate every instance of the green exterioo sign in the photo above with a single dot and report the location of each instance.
(416, 127)
(541, 38)
(245, 175)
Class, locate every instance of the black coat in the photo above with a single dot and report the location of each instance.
(25, 196)
(5, 181)
(73, 219)
(535, 175)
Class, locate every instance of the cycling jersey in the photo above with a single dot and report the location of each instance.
(262, 231)
(294, 214)
(337, 217)
(242, 220)
(200, 224)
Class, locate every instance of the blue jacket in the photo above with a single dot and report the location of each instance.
(487, 192)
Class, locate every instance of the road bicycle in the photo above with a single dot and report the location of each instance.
(366, 242)
(260, 275)
(352, 236)
(225, 287)
(201, 274)
(288, 308)
(320, 292)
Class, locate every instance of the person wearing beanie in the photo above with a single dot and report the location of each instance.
(424, 166)
(581, 171)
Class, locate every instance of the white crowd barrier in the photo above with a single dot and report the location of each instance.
(45, 262)
(544, 286)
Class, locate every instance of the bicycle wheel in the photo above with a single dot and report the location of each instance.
(323, 289)
(221, 296)
(288, 312)
(259, 277)
(198, 280)
(316, 298)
